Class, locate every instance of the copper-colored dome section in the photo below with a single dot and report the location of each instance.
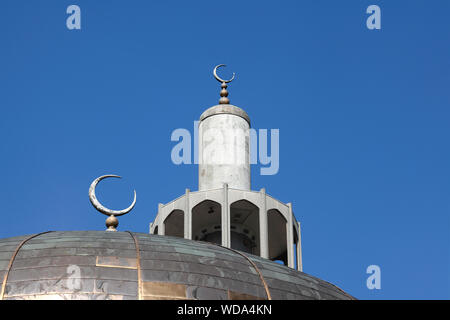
(125, 265)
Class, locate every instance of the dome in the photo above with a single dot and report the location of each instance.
(125, 265)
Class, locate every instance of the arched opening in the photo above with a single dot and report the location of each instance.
(174, 224)
(206, 222)
(244, 227)
(277, 236)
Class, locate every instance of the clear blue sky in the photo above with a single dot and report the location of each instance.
(363, 116)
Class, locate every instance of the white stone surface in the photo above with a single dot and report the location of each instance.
(224, 152)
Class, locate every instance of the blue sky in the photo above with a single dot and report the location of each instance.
(363, 118)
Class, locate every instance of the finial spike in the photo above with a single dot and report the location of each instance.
(223, 93)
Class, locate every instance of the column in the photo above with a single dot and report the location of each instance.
(226, 242)
(187, 217)
(299, 249)
(263, 227)
(161, 226)
(290, 238)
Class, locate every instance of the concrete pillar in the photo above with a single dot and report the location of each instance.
(162, 229)
(160, 205)
(299, 249)
(187, 217)
(161, 226)
(290, 238)
(224, 148)
(226, 234)
(263, 227)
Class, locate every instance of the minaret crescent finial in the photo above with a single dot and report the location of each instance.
(223, 93)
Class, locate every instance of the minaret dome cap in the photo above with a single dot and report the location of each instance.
(225, 109)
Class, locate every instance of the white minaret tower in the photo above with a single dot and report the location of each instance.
(225, 210)
(224, 144)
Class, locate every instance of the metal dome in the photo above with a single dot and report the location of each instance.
(125, 265)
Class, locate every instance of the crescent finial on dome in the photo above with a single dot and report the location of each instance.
(111, 221)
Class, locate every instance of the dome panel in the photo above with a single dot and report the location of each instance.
(106, 265)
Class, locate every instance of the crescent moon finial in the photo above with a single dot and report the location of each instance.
(219, 78)
(223, 93)
(111, 221)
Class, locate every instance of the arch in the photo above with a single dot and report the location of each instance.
(277, 234)
(174, 224)
(244, 225)
(206, 221)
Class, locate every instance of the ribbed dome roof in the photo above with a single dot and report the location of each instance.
(107, 265)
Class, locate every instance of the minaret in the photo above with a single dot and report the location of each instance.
(224, 144)
(225, 210)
